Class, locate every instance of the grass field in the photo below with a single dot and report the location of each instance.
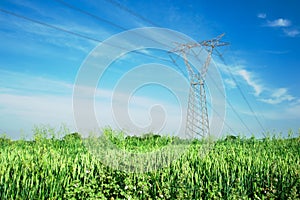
(49, 168)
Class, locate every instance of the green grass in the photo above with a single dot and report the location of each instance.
(49, 168)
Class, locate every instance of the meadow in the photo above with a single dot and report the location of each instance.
(234, 168)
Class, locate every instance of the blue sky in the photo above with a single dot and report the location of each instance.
(39, 64)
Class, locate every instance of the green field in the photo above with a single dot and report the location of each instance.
(235, 168)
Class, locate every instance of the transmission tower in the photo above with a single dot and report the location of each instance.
(197, 123)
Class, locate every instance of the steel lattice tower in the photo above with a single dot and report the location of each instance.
(197, 123)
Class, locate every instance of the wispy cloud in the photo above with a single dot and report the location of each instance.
(230, 83)
(291, 32)
(284, 24)
(19, 83)
(278, 96)
(45, 101)
(279, 23)
(290, 113)
(28, 31)
(242, 73)
(262, 15)
(248, 77)
(33, 7)
(23, 29)
(275, 52)
(262, 92)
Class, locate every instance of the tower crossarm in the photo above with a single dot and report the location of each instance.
(210, 45)
(183, 49)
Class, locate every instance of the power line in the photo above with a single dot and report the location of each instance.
(131, 12)
(174, 62)
(49, 25)
(74, 33)
(150, 22)
(231, 106)
(84, 36)
(120, 27)
(117, 4)
(77, 34)
(244, 97)
(260, 114)
(219, 115)
(90, 14)
(113, 24)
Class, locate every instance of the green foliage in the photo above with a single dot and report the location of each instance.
(72, 136)
(4, 140)
(231, 138)
(236, 168)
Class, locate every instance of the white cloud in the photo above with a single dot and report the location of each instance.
(136, 113)
(267, 95)
(282, 113)
(248, 77)
(23, 112)
(241, 71)
(278, 96)
(44, 101)
(230, 83)
(279, 23)
(279, 93)
(15, 82)
(262, 15)
(292, 32)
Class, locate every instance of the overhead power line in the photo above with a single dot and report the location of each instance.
(122, 7)
(49, 25)
(220, 117)
(90, 14)
(135, 14)
(117, 4)
(239, 88)
(100, 19)
(244, 97)
(74, 33)
(115, 25)
(122, 28)
(152, 23)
